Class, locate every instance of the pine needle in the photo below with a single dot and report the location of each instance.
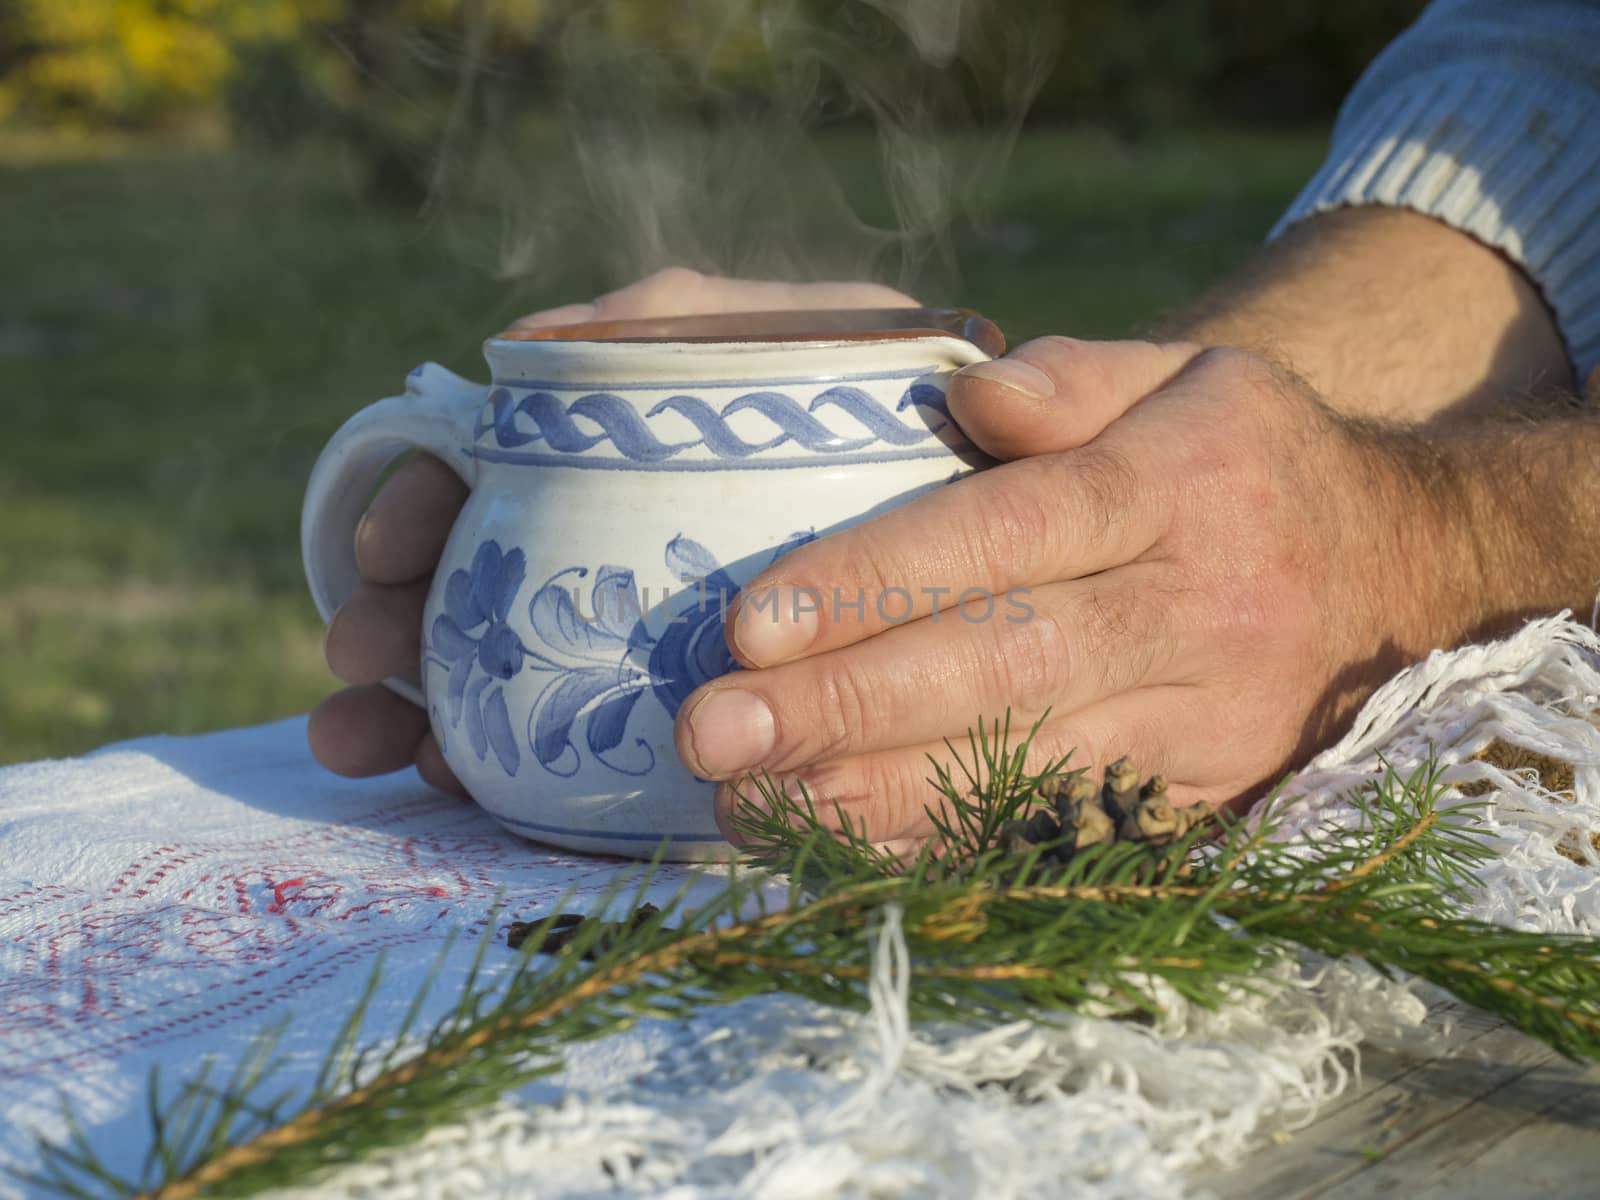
(990, 936)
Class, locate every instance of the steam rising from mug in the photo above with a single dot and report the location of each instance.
(691, 138)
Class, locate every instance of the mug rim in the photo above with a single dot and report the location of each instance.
(784, 327)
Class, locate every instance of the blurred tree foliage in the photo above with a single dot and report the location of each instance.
(131, 63)
(143, 63)
(398, 78)
(1156, 61)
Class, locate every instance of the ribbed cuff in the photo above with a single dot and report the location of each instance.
(1502, 155)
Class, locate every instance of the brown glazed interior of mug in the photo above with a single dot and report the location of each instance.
(821, 325)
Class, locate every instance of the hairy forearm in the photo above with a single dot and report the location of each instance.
(1452, 536)
(1389, 315)
(1522, 499)
(1446, 361)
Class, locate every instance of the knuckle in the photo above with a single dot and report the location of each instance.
(1096, 484)
(1248, 391)
(881, 795)
(844, 715)
(1042, 351)
(872, 564)
(1144, 737)
(1085, 744)
(1107, 477)
(1244, 365)
(1075, 372)
(1264, 609)
(903, 796)
(1124, 638)
(865, 566)
(1012, 528)
(1031, 663)
(1223, 469)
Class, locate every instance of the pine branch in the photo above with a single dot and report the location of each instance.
(991, 935)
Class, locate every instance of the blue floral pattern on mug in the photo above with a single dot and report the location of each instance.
(600, 664)
(481, 599)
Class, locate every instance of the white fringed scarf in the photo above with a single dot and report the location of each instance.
(783, 1099)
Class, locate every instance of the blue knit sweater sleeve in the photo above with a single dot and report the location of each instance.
(1485, 114)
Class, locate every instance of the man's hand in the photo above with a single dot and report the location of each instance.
(367, 729)
(1218, 567)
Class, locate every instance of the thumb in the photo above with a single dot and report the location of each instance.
(1058, 393)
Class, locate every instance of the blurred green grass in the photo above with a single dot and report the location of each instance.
(180, 331)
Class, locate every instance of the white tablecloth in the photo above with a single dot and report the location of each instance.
(167, 899)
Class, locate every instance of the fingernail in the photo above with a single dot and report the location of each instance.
(731, 730)
(1014, 374)
(327, 641)
(775, 624)
(362, 527)
(566, 314)
(732, 800)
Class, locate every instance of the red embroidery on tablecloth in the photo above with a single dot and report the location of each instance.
(278, 890)
(473, 847)
(249, 1003)
(30, 898)
(221, 938)
(248, 924)
(120, 967)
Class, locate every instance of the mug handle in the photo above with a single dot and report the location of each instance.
(437, 413)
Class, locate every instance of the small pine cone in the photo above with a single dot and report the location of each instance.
(1042, 827)
(1092, 826)
(1079, 811)
(1152, 820)
(1083, 814)
(1121, 789)
(1014, 838)
(1052, 787)
(1192, 816)
(1070, 799)
(1062, 853)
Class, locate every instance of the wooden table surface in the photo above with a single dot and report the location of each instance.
(1488, 1114)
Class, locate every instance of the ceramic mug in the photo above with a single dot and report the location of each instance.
(627, 478)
